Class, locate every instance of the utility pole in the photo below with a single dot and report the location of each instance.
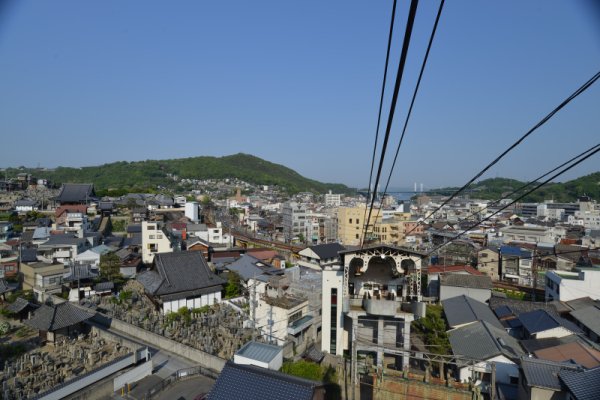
(270, 324)
(353, 367)
(493, 383)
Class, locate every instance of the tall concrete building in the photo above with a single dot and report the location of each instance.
(294, 220)
(365, 303)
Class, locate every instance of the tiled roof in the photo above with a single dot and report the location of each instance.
(588, 316)
(327, 251)
(463, 309)
(262, 352)
(254, 383)
(482, 341)
(4, 287)
(575, 352)
(540, 320)
(53, 318)
(19, 305)
(544, 374)
(183, 272)
(248, 267)
(583, 385)
(466, 281)
(75, 192)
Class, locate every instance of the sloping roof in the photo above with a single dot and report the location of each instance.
(482, 341)
(53, 318)
(503, 311)
(75, 192)
(544, 374)
(533, 345)
(183, 272)
(463, 309)
(540, 320)
(19, 305)
(262, 352)
(590, 317)
(4, 287)
(248, 267)
(466, 281)
(249, 382)
(327, 251)
(103, 286)
(583, 385)
(574, 351)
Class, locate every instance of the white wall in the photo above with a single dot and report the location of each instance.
(197, 302)
(332, 279)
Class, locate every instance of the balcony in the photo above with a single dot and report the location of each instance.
(377, 306)
(384, 307)
(300, 324)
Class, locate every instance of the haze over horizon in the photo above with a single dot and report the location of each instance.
(297, 85)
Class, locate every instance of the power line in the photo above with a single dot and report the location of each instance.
(522, 187)
(520, 197)
(414, 96)
(576, 93)
(405, 45)
(387, 58)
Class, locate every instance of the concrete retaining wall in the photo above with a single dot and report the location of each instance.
(204, 359)
(133, 375)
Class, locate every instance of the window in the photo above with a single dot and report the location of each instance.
(159, 236)
(357, 235)
(151, 227)
(350, 221)
(152, 237)
(333, 330)
(357, 221)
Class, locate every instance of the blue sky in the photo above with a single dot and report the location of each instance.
(297, 83)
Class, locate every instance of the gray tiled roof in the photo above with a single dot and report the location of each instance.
(540, 320)
(542, 373)
(75, 192)
(254, 383)
(583, 385)
(4, 287)
(262, 352)
(327, 251)
(482, 341)
(590, 317)
(53, 318)
(183, 272)
(466, 281)
(19, 305)
(248, 267)
(463, 309)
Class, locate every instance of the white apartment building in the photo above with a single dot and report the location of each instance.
(333, 200)
(294, 220)
(154, 240)
(566, 286)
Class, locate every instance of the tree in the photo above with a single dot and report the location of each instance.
(233, 288)
(110, 266)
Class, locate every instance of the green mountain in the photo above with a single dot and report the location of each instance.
(147, 175)
(498, 188)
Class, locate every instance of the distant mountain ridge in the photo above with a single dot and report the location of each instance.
(149, 174)
(498, 188)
